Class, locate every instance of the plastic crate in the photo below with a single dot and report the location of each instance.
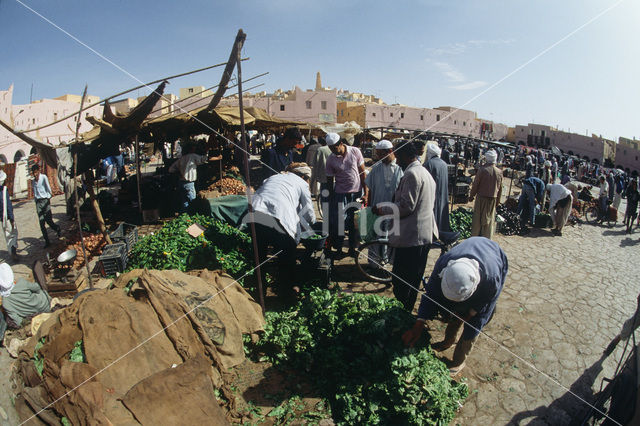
(125, 233)
(462, 189)
(113, 259)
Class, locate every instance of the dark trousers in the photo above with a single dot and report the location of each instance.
(283, 243)
(337, 213)
(43, 209)
(408, 269)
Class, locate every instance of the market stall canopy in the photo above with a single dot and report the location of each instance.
(265, 121)
(346, 130)
(104, 139)
(202, 120)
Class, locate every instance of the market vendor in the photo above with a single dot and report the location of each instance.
(277, 158)
(464, 287)
(533, 190)
(20, 299)
(187, 166)
(282, 210)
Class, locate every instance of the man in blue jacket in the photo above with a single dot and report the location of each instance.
(533, 190)
(464, 288)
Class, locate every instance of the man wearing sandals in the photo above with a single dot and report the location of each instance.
(463, 288)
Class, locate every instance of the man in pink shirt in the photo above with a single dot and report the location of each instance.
(345, 180)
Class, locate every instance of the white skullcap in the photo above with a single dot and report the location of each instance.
(3, 177)
(433, 150)
(384, 144)
(332, 138)
(460, 279)
(6, 280)
(491, 156)
(547, 163)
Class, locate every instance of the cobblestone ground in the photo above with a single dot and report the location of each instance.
(564, 299)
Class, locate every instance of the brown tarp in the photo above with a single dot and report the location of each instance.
(189, 386)
(154, 355)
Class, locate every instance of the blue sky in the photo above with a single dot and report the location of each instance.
(420, 53)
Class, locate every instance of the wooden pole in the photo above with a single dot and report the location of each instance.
(138, 174)
(256, 258)
(75, 192)
(88, 178)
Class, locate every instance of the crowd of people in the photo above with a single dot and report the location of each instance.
(408, 189)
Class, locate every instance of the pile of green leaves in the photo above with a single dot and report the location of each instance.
(38, 360)
(77, 353)
(221, 246)
(460, 221)
(351, 346)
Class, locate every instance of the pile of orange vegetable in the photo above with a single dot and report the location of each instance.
(93, 243)
(229, 186)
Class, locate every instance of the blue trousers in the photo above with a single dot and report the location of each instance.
(527, 204)
(187, 194)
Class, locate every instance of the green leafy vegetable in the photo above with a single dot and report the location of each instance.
(460, 221)
(351, 346)
(221, 246)
(77, 353)
(38, 361)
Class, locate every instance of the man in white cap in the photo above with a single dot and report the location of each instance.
(440, 173)
(560, 204)
(345, 181)
(487, 185)
(382, 181)
(282, 210)
(8, 223)
(464, 288)
(20, 299)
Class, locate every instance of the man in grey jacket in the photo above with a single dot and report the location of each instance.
(414, 224)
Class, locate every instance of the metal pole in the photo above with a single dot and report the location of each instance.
(138, 174)
(75, 191)
(246, 177)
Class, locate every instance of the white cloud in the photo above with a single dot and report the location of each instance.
(491, 42)
(450, 72)
(452, 49)
(461, 47)
(470, 85)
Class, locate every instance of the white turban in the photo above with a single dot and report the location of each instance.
(3, 177)
(491, 156)
(547, 163)
(384, 144)
(433, 150)
(303, 170)
(6, 280)
(332, 138)
(460, 279)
